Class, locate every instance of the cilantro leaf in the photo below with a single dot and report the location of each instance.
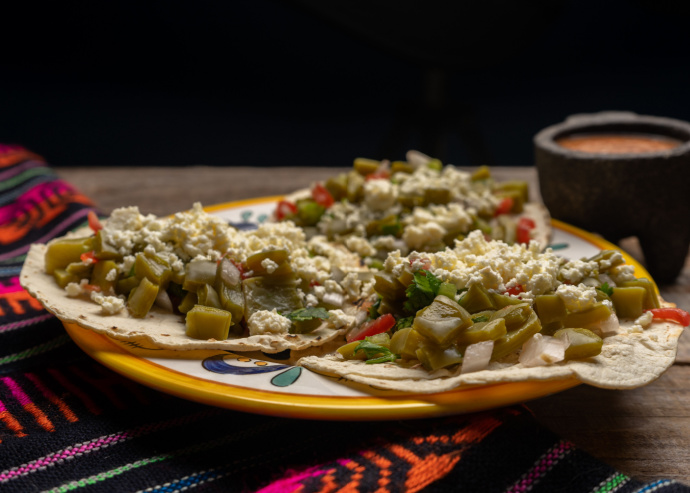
(422, 291)
(392, 229)
(375, 353)
(389, 358)
(374, 309)
(606, 289)
(309, 313)
(403, 323)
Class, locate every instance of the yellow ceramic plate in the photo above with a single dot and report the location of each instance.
(254, 383)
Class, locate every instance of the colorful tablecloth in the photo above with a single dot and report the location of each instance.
(68, 423)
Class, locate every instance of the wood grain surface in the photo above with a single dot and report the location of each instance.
(644, 433)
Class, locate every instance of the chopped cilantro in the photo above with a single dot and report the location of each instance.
(422, 291)
(309, 313)
(606, 289)
(392, 229)
(374, 309)
(403, 323)
(375, 353)
(480, 318)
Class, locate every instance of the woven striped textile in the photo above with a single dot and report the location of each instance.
(69, 424)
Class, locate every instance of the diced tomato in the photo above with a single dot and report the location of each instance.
(382, 174)
(88, 257)
(322, 196)
(94, 222)
(313, 283)
(515, 290)
(285, 209)
(377, 326)
(524, 227)
(91, 287)
(672, 314)
(504, 206)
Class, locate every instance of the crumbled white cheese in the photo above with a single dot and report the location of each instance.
(332, 286)
(645, 320)
(395, 263)
(111, 275)
(268, 322)
(338, 319)
(319, 291)
(622, 273)
(642, 322)
(269, 265)
(127, 263)
(380, 195)
(109, 304)
(496, 265)
(74, 289)
(577, 298)
(417, 236)
(615, 258)
(359, 245)
(352, 285)
(574, 271)
(186, 234)
(389, 243)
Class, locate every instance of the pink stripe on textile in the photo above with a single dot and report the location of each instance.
(293, 483)
(24, 323)
(67, 453)
(7, 148)
(12, 287)
(31, 197)
(541, 467)
(98, 443)
(17, 391)
(18, 169)
(48, 236)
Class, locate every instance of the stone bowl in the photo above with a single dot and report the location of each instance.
(620, 195)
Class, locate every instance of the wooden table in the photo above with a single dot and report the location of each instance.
(644, 433)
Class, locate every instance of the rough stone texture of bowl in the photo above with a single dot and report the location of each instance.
(621, 195)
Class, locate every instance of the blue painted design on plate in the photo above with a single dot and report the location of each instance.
(559, 246)
(217, 364)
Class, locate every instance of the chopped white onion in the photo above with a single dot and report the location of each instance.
(163, 300)
(608, 327)
(591, 282)
(417, 159)
(541, 350)
(229, 274)
(337, 274)
(385, 165)
(477, 356)
(335, 299)
(605, 278)
(337, 226)
(361, 317)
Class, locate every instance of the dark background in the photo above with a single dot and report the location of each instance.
(302, 82)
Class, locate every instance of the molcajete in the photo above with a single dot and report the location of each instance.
(622, 192)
